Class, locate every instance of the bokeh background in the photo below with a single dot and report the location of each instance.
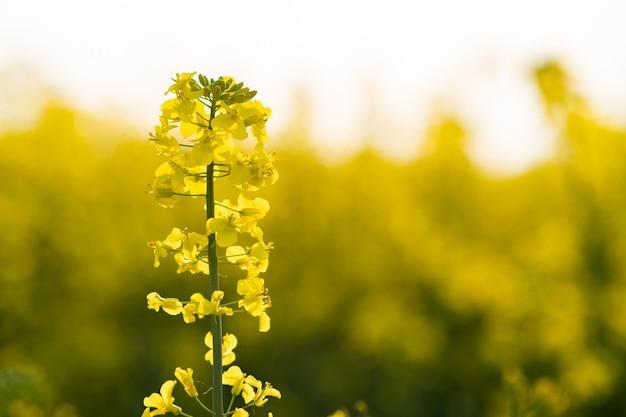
(450, 222)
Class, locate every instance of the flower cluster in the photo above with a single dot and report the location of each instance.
(199, 133)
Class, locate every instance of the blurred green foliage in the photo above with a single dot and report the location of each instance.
(414, 287)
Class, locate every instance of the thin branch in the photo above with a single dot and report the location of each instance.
(203, 406)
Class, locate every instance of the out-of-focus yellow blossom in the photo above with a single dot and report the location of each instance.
(171, 306)
(229, 343)
(549, 393)
(339, 413)
(186, 379)
(164, 402)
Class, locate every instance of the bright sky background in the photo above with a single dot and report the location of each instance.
(397, 60)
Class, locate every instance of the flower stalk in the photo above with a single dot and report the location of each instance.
(216, 320)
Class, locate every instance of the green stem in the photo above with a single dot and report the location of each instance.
(216, 320)
(203, 405)
(230, 405)
(243, 408)
(227, 207)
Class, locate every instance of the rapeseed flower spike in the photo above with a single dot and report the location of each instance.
(210, 117)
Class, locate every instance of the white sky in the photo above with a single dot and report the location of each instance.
(395, 59)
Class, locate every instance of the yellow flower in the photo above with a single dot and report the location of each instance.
(185, 86)
(253, 171)
(159, 252)
(189, 312)
(224, 228)
(171, 306)
(264, 322)
(234, 377)
(251, 211)
(175, 239)
(241, 383)
(230, 121)
(168, 180)
(163, 402)
(212, 306)
(255, 300)
(186, 378)
(187, 258)
(211, 146)
(256, 259)
(164, 142)
(229, 343)
(255, 115)
(260, 398)
(240, 412)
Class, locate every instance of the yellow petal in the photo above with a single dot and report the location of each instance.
(208, 340)
(230, 342)
(228, 358)
(264, 322)
(154, 401)
(232, 376)
(166, 390)
(227, 237)
(240, 412)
